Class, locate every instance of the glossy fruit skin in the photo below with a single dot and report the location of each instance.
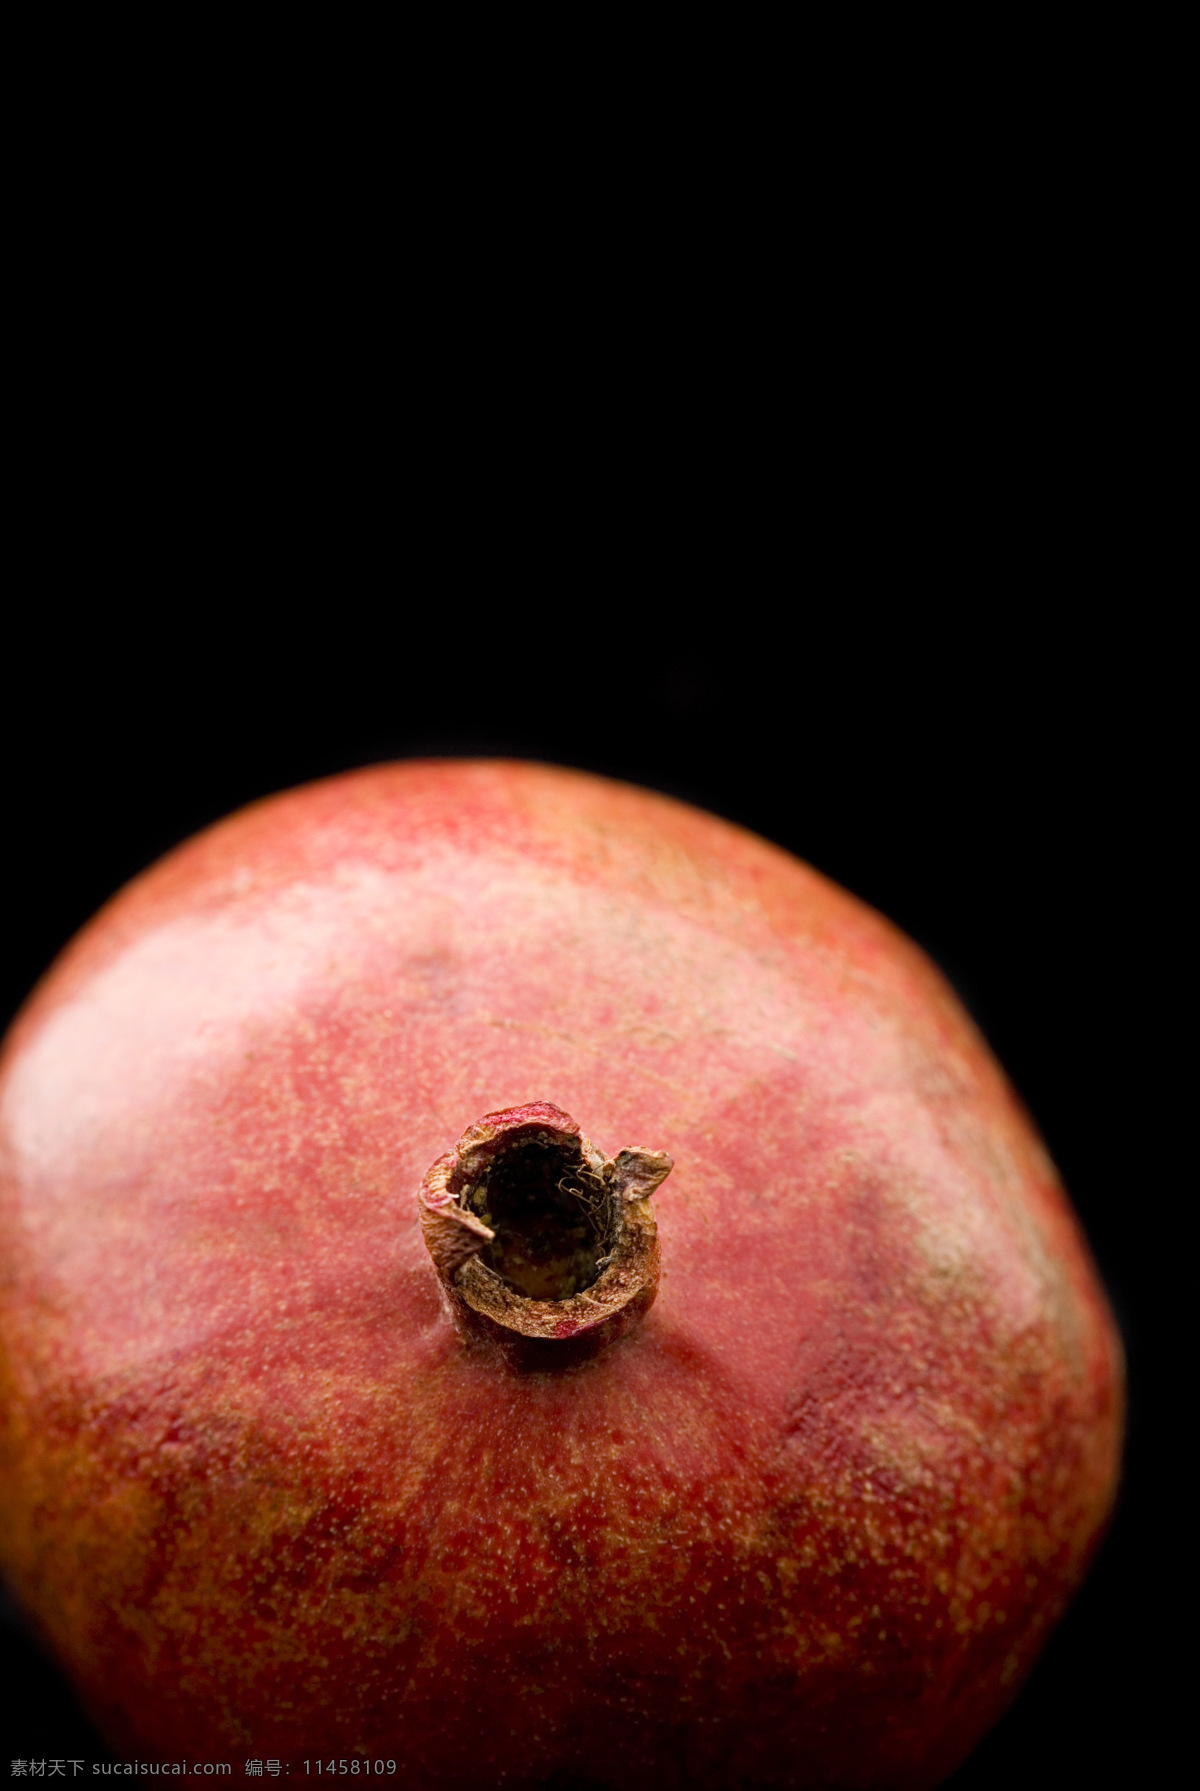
(808, 1525)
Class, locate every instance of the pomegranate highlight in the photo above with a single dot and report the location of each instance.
(760, 1443)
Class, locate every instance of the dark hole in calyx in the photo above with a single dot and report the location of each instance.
(550, 1225)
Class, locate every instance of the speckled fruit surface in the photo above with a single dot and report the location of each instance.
(805, 1524)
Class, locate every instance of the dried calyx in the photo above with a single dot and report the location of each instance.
(537, 1236)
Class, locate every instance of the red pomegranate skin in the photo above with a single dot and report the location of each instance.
(807, 1525)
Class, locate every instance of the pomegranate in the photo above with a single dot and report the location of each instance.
(735, 1403)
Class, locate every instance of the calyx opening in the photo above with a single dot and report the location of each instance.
(551, 1217)
(537, 1235)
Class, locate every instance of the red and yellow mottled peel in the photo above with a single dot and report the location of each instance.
(270, 1480)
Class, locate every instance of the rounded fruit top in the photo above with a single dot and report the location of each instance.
(273, 1477)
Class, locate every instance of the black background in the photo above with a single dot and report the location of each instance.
(982, 769)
